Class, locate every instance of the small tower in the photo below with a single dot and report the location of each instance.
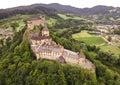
(82, 57)
(45, 31)
(61, 60)
(81, 54)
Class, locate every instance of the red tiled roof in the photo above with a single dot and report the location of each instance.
(45, 29)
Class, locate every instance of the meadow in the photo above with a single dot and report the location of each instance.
(87, 38)
(51, 21)
(110, 48)
(70, 17)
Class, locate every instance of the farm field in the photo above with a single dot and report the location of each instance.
(87, 38)
(51, 21)
(110, 48)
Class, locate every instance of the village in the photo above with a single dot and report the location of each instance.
(107, 31)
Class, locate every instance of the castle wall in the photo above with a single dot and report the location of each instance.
(38, 42)
(71, 60)
(36, 22)
(46, 41)
(48, 55)
(34, 42)
(70, 56)
(46, 33)
(81, 60)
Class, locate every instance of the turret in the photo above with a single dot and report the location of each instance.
(81, 57)
(81, 54)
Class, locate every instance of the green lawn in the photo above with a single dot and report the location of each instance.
(110, 48)
(82, 34)
(87, 38)
(63, 16)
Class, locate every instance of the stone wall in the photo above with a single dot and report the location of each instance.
(35, 22)
(46, 55)
(45, 33)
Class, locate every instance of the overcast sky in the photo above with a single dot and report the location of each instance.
(75, 3)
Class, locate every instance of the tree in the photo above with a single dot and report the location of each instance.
(14, 25)
(109, 38)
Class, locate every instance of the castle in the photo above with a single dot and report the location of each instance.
(44, 47)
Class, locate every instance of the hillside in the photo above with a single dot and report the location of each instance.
(95, 13)
(82, 11)
(100, 9)
(99, 14)
(32, 9)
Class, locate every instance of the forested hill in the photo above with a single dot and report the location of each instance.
(32, 9)
(100, 9)
(50, 9)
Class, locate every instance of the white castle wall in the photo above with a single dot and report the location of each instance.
(45, 33)
(46, 55)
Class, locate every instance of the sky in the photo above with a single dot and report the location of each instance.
(75, 3)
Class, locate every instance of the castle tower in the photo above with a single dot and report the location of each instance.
(42, 20)
(81, 57)
(45, 31)
(32, 22)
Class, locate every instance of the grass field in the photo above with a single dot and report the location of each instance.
(63, 16)
(5, 23)
(51, 21)
(87, 38)
(82, 34)
(110, 48)
(70, 17)
(92, 40)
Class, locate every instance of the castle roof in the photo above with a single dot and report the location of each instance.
(70, 54)
(37, 18)
(30, 19)
(45, 29)
(49, 49)
(40, 38)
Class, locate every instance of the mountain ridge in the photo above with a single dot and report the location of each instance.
(58, 8)
(62, 8)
